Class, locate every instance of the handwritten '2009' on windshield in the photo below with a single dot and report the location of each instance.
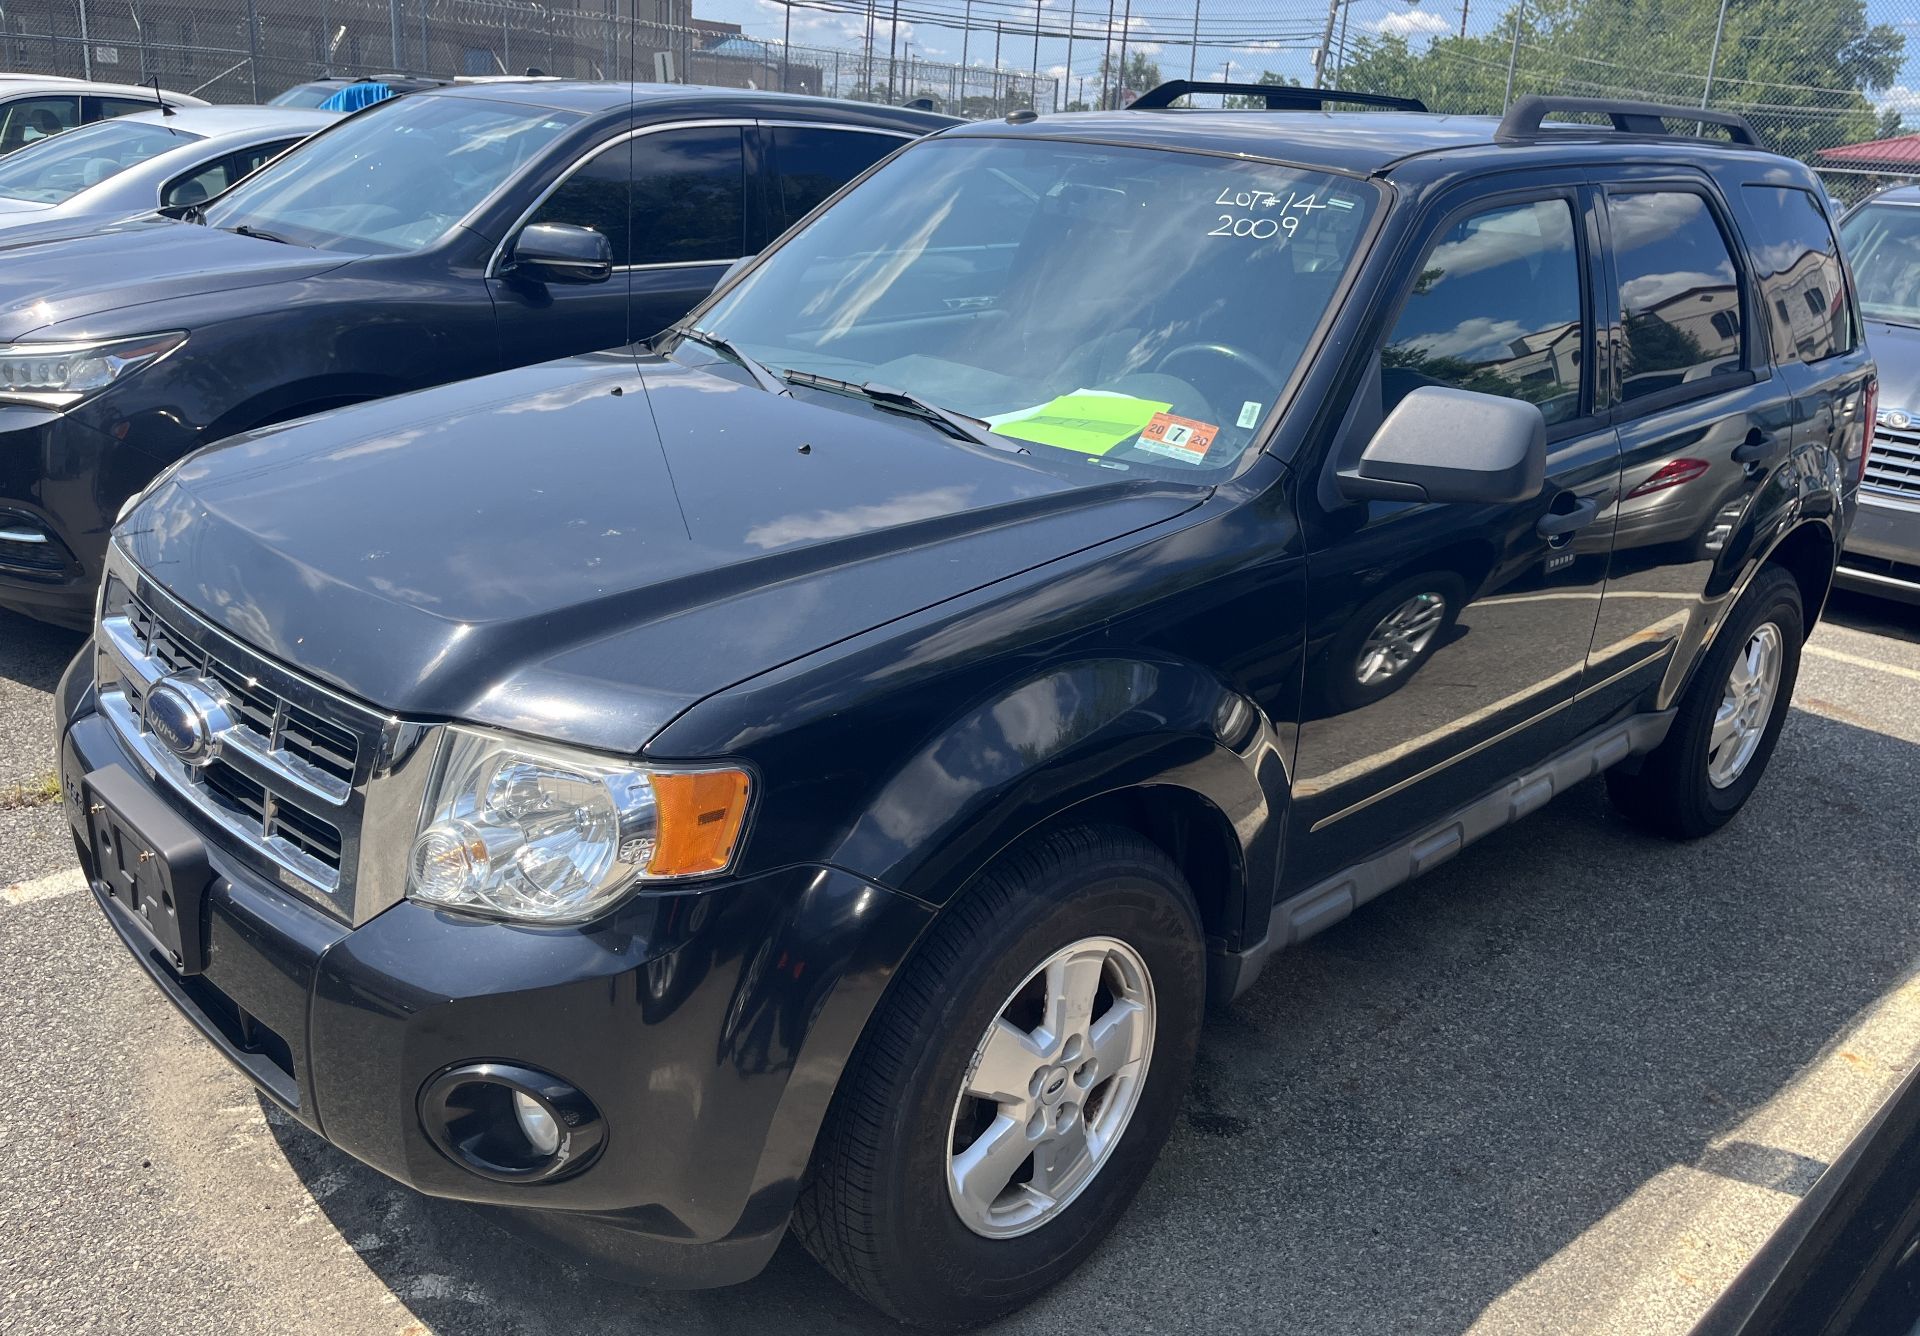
(1261, 229)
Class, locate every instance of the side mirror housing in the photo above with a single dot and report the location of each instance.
(561, 253)
(1443, 444)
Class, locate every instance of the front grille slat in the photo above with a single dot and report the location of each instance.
(1893, 464)
(287, 781)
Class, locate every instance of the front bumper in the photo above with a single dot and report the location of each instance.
(1882, 553)
(62, 481)
(709, 1028)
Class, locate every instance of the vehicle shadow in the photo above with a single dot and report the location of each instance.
(1411, 1114)
(34, 654)
(1877, 616)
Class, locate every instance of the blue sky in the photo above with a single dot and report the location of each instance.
(1238, 23)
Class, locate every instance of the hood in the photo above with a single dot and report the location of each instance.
(1896, 349)
(149, 259)
(582, 550)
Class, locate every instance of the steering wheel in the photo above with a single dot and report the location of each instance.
(1239, 356)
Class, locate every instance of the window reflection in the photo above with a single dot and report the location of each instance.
(1496, 309)
(1680, 300)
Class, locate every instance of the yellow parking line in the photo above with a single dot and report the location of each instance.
(1861, 661)
(43, 888)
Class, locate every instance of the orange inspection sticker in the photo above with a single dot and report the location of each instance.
(1177, 437)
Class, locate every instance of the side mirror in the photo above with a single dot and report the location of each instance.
(1442, 444)
(562, 253)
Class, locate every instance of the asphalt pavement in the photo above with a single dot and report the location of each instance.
(1567, 1083)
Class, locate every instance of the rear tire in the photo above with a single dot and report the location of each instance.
(1729, 720)
(901, 1203)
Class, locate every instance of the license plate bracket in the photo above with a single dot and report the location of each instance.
(151, 864)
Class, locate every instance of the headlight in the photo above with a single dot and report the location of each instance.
(545, 834)
(60, 374)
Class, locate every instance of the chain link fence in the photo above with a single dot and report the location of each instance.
(249, 50)
(1825, 80)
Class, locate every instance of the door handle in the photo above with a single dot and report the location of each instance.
(1755, 448)
(1558, 524)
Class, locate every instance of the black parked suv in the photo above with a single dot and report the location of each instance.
(813, 771)
(448, 233)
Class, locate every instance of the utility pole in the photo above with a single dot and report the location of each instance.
(1193, 52)
(966, 39)
(1033, 89)
(1513, 57)
(1463, 18)
(1066, 80)
(1326, 41)
(786, 48)
(1713, 61)
(1106, 63)
(1340, 70)
(893, 38)
(1126, 30)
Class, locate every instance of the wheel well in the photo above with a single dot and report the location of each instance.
(1807, 554)
(1189, 830)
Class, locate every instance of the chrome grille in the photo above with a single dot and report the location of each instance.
(287, 785)
(1893, 465)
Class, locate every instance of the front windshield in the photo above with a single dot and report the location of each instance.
(63, 166)
(393, 178)
(1131, 308)
(1883, 242)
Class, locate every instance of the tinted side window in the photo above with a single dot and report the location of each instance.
(31, 119)
(200, 186)
(1800, 274)
(106, 108)
(810, 164)
(1496, 308)
(689, 196)
(598, 196)
(1679, 292)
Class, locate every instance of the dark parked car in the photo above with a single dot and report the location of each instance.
(812, 772)
(436, 236)
(1882, 238)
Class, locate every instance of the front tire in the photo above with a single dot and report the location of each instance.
(1729, 720)
(1016, 1085)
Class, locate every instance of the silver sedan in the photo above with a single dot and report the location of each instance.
(135, 164)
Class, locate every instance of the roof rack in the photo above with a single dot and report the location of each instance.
(1524, 118)
(1279, 97)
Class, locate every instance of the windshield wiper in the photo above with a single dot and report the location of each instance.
(762, 377)
(901, 401)
(246, 230)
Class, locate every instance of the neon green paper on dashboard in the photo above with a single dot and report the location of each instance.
(1090, 421)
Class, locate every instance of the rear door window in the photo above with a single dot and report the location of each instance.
(199, 186)
(1496, 308)
(811, 162)
(1800, 275)
(1681, 313)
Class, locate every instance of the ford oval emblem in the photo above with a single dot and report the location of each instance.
(184, 716)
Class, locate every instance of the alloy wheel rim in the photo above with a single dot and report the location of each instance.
(1399, 639)
(1746, 706)
(1051, 1087)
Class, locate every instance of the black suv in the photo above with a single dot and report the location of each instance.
(812, 772)
(444, 234)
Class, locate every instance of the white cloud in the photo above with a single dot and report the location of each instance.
(1410, 24)
(1478, 339)
(1901, 98)
(1648, 290)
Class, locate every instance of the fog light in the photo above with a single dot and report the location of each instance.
(510, 1123)
(543, 1134)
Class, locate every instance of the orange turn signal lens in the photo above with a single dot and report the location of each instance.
(701, 814)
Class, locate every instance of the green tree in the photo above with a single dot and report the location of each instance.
(1142, 72)
(1267, 79)
(1800, 71)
